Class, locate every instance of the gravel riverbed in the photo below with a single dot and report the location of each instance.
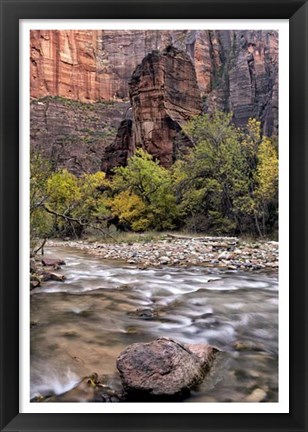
(227, 252)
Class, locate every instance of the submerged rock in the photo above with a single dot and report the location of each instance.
(246, 346)
(163, 369)
(42, 270)
(146, 313)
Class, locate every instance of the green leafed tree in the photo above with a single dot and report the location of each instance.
(63, 204)
(40, 222)
(266, 192)
(229, 182)
(76, 203)
(143, 177)
(216, 174)
(226, 184)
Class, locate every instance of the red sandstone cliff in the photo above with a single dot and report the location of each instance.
(232, 70)
(236, 70)
(89, 65)
(164, 94)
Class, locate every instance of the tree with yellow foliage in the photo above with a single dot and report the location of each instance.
(266, 177)
(147, 185)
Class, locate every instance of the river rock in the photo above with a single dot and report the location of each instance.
(33, 266)
(84, 391)
(164, 260)
(247, 346)
(52, 262)
(146, 313)
(34, 281)
(258, 395)
(163, 369)
(177, 250)
(47, 276)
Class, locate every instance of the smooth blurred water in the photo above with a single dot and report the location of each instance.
(82, 324)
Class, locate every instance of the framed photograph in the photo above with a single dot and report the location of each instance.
(153, 215)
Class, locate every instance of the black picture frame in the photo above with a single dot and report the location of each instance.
(11, 12)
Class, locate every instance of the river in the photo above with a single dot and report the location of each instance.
(81, 325)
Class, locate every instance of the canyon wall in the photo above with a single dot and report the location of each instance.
(90, 65)
(72, 134)
(245, 76)
(82, 83)
(236, 70)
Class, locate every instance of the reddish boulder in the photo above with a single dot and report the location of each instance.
(163, 369)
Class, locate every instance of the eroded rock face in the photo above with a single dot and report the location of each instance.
(235, 70)
(64, 63)
(117, 153)
(164, 94)
(90, 65)
(163, 368)
(72, 134)
(245, 76)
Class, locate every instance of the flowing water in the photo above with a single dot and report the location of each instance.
(81, 325)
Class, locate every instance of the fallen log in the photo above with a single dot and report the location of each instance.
(232, 240)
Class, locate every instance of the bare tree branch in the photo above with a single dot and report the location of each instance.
(78, 221)
(40, 248)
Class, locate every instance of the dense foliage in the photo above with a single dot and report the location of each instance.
(146, 187)
(229, 182)
(226, 184)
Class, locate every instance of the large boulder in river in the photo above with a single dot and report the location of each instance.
(163, 369)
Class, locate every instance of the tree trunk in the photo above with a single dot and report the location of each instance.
(41, 248)
(258, 226)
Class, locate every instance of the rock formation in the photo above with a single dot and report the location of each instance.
(117, 153)
(64, 63)
(163, 369)
(236, 70)
(164, 94)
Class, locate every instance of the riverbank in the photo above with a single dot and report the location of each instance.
(225, 252)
